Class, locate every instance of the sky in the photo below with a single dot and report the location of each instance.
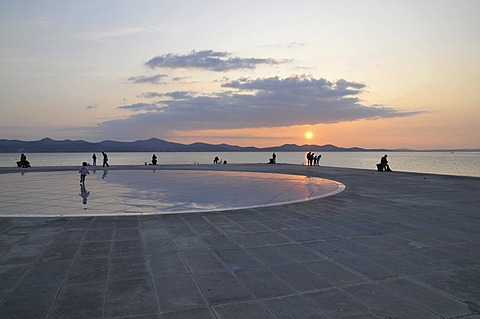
(371, 73)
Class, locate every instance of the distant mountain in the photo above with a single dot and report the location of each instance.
(48, 145)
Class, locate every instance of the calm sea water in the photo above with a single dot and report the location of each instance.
(456, 163)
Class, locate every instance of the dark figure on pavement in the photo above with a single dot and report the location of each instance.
(94, 158)
(105, 159)
(215, 160)
(318, 159)
(154, 159)
(23, 161)
(83, 172)
(273, 160)
(383, 166)
(309, 158)
(84, 193)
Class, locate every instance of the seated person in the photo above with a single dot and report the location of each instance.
(384, 164)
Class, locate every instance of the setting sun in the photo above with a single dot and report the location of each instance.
(309, 135)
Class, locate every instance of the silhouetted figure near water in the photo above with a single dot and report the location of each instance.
(105, 159)
(383, 166)
(310, 157)
(94, 158)
(83, 172)
(273, 160)
(23, 161)
(215, 160)
(154, 159)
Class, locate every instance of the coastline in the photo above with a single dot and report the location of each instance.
(279, 167)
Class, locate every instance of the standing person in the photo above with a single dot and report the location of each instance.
(215, 160)
(154, 159)
(94, 158)
(318, 160)
(83, 172)
(274, 157)
(309, 158)
(105, 159)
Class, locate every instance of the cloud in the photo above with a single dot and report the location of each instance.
(208, 60)
(253, 103)
(150, 95)
(175, 95)
(154, 79)
(91, 107)
(140, 107)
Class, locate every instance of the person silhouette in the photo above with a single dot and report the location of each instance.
(83, 172)
(384, 164)
(105, 159)
(23, 161)
(154, 159)
(94, 158)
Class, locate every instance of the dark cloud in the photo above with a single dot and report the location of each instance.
(252, 103)
(154, 79)
(207, 60)
(91, 107)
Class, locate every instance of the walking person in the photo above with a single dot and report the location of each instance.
(83, 172)
(105, 159)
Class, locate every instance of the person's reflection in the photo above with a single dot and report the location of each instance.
(84, 193)
(105, 172)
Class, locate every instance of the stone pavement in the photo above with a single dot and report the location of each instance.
(391, 245)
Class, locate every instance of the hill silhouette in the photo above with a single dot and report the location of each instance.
(48, 145)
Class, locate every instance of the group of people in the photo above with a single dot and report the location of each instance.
(84, 169)
(312, 159)
(105, 159)
(216, 160)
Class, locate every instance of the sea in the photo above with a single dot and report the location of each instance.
(445, 163)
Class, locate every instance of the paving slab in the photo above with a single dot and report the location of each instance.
(389, 245)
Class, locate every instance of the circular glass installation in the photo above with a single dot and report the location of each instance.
(136, 192)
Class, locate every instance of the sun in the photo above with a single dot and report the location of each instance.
(309, 135)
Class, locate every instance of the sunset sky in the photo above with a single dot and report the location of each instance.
(373, 74)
